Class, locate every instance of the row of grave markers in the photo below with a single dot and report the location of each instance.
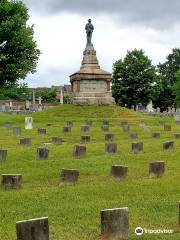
(114, 225)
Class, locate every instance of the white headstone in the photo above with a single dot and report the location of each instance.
(28, 123)
(27, 104)
(61, 97)
(40, 100)
(150, 107)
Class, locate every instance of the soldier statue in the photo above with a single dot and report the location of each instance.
(89, 30)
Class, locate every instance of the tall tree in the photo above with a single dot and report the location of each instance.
(176, 89)
(167, 73)
(19, 55)
(133, 78)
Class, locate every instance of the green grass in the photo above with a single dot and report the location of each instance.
(74, 211)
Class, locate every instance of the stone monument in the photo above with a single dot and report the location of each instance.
(91, 84)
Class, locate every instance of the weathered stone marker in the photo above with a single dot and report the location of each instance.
(156, 135)
(25, 141)
(67, 129)
(85, 139)
(168, 146)
(167, 127)
(125, 128)
(119, 172)
(109, 137)
(156, 169)
(69, 124)
(69, 175)
(42, 154)
(115, 223)
(111, 148)
(3, 155)
(133, 135)
(79, 151)
(11, 180)
(33, 229)
(28, 123)
(16, 131)
(41, 131)
(85, 128)
(105, 128)
(137, 147)
(57, 140)
(177, 135)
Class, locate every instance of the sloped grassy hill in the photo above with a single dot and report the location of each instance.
(74, 211)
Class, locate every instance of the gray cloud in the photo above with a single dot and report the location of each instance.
(153, 13)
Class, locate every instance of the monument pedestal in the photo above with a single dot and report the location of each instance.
(91, 85)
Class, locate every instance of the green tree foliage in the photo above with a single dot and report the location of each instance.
(167, 71)
(20, 54)
(19, 93)
(133, 78)
(176, 89)
(48, 95)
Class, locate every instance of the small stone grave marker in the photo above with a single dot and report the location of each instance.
(137, 147)
(25, 141)
(79, 151)
(85, 139)
(3, 155)
(85, 128)
(119, 172)
(16, 131)
(105, 128)
(11, 180)
(156, 169)
(115, 223)
(69, 176)
(111, 148)
(57, 140)
(156, 135)
(33, 229)
(133, 135)
(109, 137)
(42, 154)
(41, 131)
(168, 146)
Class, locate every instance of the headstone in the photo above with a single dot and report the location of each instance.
(79, 151)
(11, 180)
(119, 172)
(156, 135)
(167, 127)
(8, 125)
(150, 107)
(168, 146)
(85, 139)
(3, 155)
(42, 154)
(28, 123)
(61, 97)
(109, 137)
(25, 141)
(115, 223)
(40, 100)
(33, 229)
(156, 169)
(16, 131)
(105, 128)
(69, 175)
(158, 110)
(177, 135)
(137, 147)
(67, 129)
(111, 148)
(56, 140)
(41, 131)
(69, 124)
(125, 128)
(133, 135)
(85, 128)
(27, 104)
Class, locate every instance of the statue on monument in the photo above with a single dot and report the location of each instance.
(89, 30)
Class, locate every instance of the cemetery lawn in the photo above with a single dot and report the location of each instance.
(74, 211)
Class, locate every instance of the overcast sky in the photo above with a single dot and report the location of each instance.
(120, 25)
